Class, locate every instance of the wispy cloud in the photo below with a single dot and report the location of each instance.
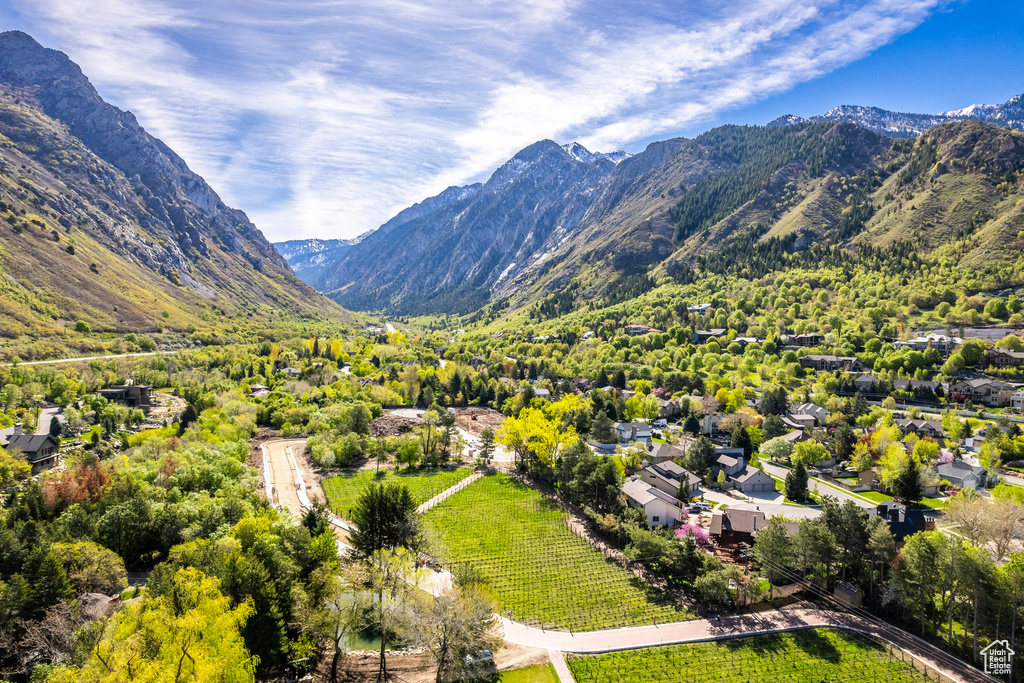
(322, 118)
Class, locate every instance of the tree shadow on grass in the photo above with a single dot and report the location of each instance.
(760, 645)
(815, 643)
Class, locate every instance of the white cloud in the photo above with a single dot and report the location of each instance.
(322, 118)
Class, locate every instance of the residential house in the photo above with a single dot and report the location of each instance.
(583, 384)
(630, 432)
(662, 509)
(799, 421)
(704, 336)
(819, 414)
(796, 436)
(669, 409)
(921, 428)
(963, 475)
(40, 450)
(477, 362)
(982, 390)
(733, 526)
(865, 383)
(293, 372)
(711, 424)
(940, 342)
(807, 339)
(752, 480)
(131, 395)
(672, 479)
(915, 385)
(698, 308)
(1017, 400)
(746, 341)
(663, 452)
(831, 363)
(902, 520)
(1004, 358)
(731, 460)
(639, 330)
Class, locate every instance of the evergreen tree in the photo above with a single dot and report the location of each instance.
(602, 379)
(487, 444)
(796, 483)
(603, 430)
(620, 379)
(692, 425)
(385, 519)
(701, 456)
(741, 439)
(772, 427)
(907, 485)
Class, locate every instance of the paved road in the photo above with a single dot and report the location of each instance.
(821, 487)
(730, 627)
(85, 358)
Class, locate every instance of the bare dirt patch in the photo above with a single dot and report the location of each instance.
(485, 418)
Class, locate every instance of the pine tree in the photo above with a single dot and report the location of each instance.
(602, 430)
(796, 483)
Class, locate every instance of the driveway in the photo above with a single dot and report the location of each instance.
(822, 488)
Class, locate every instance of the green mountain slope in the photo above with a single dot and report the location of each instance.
(103, 222)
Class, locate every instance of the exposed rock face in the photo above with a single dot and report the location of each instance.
(90, 174)
(447, 252)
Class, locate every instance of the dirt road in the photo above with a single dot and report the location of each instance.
(284, 480)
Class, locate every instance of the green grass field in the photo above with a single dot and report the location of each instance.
(343, 491)
(814, 656)
(541, 572)
(538, 673)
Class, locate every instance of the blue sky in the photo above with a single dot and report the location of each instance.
(323, 118)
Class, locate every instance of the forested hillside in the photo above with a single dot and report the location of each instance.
(745, 200)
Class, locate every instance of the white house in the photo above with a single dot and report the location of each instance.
(630, 432)
(1017, 400)
(661, 508)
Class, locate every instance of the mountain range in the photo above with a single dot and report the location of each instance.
(563, 221)
(104, 222)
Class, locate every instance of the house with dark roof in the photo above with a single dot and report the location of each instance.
(807, 339)
(1004, 358)
(902, 520)
(823, 363)
(922, 428)
(131, 395)
(671, 478)
(704, 336)
(40, 450)
(733, 526)
(817, 412)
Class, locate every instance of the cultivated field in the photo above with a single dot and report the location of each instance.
(542, 573)
(343, 491)
(814, 656)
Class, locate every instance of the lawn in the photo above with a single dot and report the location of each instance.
(542, 574)
(538, 673)
(813, 656)
(343, 491)
(933, 503)
(875, 496)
